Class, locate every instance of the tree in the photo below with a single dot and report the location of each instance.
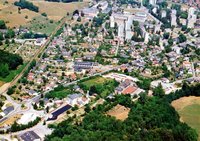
(182, 38)
(11, 90)
(44, 14)
(79, 19)
(10, 34)
(1, 36)
(87, 108)
(47, 109)
(166, 35)
(2, 24)
(4, 70)
(35, 106)
(158, 91)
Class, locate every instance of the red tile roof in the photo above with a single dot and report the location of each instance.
(129, 90)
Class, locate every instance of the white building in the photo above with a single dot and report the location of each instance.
(173, 18)
(124, 23)
(152, 2)
(26, 118)
(192, 17)
(163, 14)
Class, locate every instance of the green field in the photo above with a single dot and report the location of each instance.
(99, 85)
(42, 24)
(191, 115)
(60, 92)
(13, 73)
(94, 81)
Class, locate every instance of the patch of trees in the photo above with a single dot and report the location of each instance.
(182, 38)
(9, 62)
(18, 127)
(10, 34)
(127, 2)
(11, 90)
(65, 1)
(32, 35)
(150, 119)
(2, 24)
(186, 90)
(23, 4)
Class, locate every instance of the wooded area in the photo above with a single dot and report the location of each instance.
(150, 119)
(9, 62)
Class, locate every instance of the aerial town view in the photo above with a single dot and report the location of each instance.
(99, 70)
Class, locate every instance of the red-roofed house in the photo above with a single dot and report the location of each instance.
(129, 90)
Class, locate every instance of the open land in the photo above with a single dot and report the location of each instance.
(119, 112)
(189, 111)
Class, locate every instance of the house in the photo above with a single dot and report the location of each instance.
(73, 99)
(32, 92)
(29, 136)
(129, 90)
(8, 110)
(58, 112)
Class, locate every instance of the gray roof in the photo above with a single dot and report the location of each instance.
(29, 136)
(8, 110)
(74, 96)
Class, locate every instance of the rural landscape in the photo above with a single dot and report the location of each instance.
(99, 70)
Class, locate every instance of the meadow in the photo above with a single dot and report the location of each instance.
(189, 111)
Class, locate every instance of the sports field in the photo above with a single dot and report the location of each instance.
(189, 111)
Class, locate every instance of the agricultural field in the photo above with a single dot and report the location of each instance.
(9, 13)
(189, 111)
(42, 24)
(55, 11)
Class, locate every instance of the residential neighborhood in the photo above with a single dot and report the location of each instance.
(105, 58)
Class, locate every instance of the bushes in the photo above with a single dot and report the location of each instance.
(18, 127)
(2, 24)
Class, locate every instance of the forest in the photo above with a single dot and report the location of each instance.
(9, 62)
(23, 4)
(150, 119)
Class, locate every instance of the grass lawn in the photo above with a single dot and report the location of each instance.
(94, 81)
(189, 111)
(99, 85)
(42, 24)
(191, 115)
(13, 73)
(59, 92)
